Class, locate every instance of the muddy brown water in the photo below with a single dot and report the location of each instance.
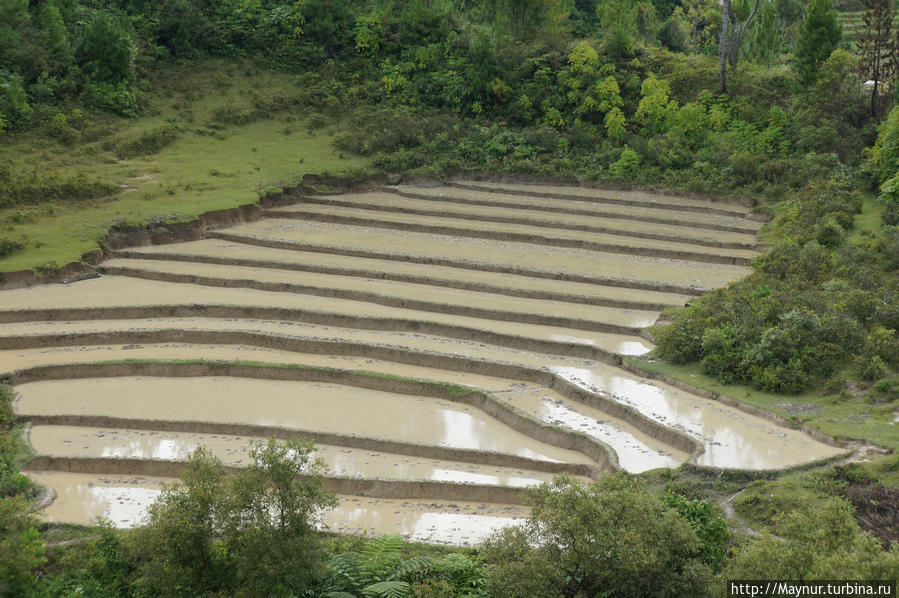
(551, 236)
(84, 441)
(584, 206)
(123, 500)
(219, 249)
(399, 303)
(329, 408)
(636, 450)
(732, 438)
(127, 291)
(622, 227)
(484, 251)
(661, 200)
(515, 307)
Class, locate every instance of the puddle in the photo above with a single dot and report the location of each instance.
(458, 523)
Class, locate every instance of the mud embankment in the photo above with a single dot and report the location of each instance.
(463, 264)
(372, 488)
(632, 416)
(521, 422)
(532, 239)
(370, 297)
(495, 184)
(584, 351)
(333, 201)
(575, 211)
(461, 285)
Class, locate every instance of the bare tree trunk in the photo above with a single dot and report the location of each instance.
(739, 30)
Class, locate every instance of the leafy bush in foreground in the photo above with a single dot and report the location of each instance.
(611, 537)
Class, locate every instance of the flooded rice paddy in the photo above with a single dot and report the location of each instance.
(524, 297)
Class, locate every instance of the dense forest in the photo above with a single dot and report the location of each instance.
(791, 104)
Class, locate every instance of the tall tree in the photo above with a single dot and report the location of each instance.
(877, 46)
(818, 37)
(767, 39)
(732, 30)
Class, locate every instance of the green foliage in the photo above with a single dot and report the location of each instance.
(710, 526)
(610, 537)
(247, 534)
(542, 18)
(804, 313)
(9, 247)
(21, 547)
(619, 19)
(106, 51)
(368, 34)
(626, 165)
(36, 189)
(765, 39)
(14, 105)
(381, 569)
(655, 106)
(884, 157)
(818, 37)
(328, 24)
(815, 543)
(149, 142)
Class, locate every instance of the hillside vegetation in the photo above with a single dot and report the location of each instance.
(131, 111)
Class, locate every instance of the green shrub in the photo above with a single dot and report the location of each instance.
(14, 107)
(149, 142)
(884, 391)
(120, 98)
(21, 548)
(106, 51)
(229, 114)
(626, 165)
(37, 191)
(611, 536)
(9, 247)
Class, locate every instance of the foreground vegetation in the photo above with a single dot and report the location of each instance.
(132, 111)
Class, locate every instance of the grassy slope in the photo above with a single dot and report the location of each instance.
(210, 166)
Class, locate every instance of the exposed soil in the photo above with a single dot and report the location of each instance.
(526, 295)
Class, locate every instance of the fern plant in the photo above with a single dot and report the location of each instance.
(379, 570)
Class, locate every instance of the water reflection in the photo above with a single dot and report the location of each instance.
(321, 407)
(731, 437)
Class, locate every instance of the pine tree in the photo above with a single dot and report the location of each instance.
(818, 37)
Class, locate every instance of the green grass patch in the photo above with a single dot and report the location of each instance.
(841, 416)
(762, 501)
(869, 220)
(66, 197)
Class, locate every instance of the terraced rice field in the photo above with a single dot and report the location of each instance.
(445, 347)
